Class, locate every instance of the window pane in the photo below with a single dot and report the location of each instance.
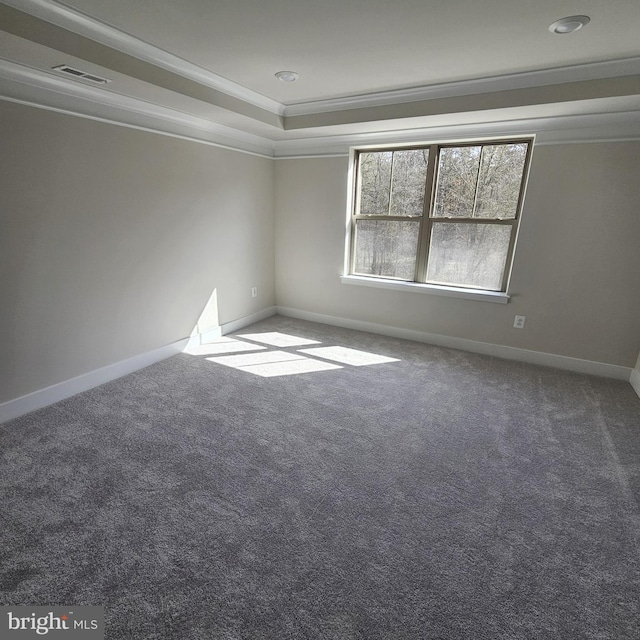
(471, 255)
(375, 182)
(386, 248)
(501, 171)
(408, 182)
(457, 179)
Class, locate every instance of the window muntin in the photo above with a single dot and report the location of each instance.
(439, 214)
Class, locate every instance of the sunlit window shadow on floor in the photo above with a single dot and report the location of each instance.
(221, 345)
(274, 363)
(232, 352)
(348, 356)
(277, 339)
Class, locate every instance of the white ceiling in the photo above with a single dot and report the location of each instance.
(346, 47)
(365, 66)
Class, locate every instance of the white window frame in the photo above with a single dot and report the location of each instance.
(419, 284)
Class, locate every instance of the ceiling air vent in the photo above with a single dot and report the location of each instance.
(64, 68)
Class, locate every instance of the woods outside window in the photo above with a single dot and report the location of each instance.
(439, 214)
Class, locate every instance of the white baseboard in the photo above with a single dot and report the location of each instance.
(44, 397)
(635, 381)
(499, 351)
(241, 323)
(210, 335)
(62, 390)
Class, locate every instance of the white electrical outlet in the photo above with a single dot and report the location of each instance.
(518, 323)
(254, 292)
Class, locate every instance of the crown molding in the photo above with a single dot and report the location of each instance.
(81, 24)
(525, 80)
(565, 129)
(86, 26)
(32, 86)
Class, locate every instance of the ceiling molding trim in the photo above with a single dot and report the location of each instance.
(38, 88)
(81, 24)
(566, 129)
(84, 25)
(116, 123)
(525, 80)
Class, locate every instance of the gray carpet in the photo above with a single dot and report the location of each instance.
(443, 495)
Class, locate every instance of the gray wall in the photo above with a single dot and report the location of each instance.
(113, 239)
(576, 269)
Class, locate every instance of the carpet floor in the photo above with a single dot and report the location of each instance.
(303, 481)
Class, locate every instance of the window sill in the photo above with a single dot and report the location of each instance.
(434, 289)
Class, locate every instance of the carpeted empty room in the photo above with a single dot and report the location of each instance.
(297, 480)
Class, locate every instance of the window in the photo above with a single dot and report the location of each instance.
(441, 214)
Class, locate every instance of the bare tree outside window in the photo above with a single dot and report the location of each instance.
(457, 206)
(457, 181)
(387, 248)
(409, 181)
(375, 169)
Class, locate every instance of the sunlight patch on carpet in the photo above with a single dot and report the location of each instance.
(277, 339)
(290, 368)
(344, 355)
(273, 363)
(221, 345)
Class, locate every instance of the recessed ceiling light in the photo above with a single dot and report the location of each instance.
(287, 76)
(569, 24)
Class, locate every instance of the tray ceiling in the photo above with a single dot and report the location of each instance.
(365, 67)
